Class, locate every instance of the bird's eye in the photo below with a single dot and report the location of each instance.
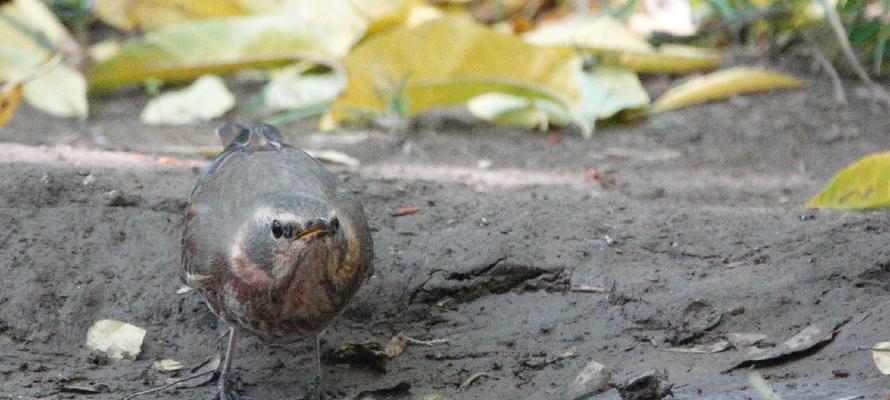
(277, 230)
(335, 223)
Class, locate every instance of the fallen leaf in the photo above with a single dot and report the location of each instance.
(614, 44)
(403, 211)
(880, 353)
(505, 109)
(185, 52)
(863, 185)
(592, 380)
(698, 317)
(115, 338)
(721, 85)
(742, 341)
(291, 89)
(167, 365)
(397, 344)
(203, 100)
(200, 374)
(473, 378)
(714, 347)
(155, 14)
(334, 156)
(810, 337)
(446, 62)
(607, 90)
(61, 91)
(10, 95)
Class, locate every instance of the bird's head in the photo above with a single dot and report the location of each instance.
(284, 234)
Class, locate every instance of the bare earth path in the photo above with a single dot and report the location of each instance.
(699, 205)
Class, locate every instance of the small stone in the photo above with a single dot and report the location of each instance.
(840, 373)
(652, 385)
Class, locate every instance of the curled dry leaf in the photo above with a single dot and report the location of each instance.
(115, 338)
(863, 185)
(721, 85)
(203, 100)
(880, 353)
(810, 337)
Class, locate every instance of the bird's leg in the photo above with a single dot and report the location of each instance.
(317, 382)
(223, 383)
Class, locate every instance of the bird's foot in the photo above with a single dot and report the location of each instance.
(229, 393)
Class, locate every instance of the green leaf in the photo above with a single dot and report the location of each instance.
(863, 185)
(608, 90)
(185, 52)
(505, 109)
(446, 62)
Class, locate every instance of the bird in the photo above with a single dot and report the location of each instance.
(273, 242)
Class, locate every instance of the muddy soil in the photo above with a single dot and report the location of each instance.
(701, 206)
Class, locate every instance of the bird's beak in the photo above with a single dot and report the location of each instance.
(314, 226)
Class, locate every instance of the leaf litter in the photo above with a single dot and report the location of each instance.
(807, 339)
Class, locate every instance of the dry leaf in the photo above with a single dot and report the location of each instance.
(203, 100)
(715, 347)
(201, 374)
(10, 95)
(334, 156)
(722, 85)
(154, 14)
(115, 338)
(592, 380)
(61, 91)
(403, 211)
(742, 341)
(291, 89)
(880, 353)
(167, 365)
(811, 336)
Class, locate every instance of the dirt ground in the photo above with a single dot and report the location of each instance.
(702, 206)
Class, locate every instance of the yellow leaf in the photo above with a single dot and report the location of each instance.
(607, 90)
(505, 109)
(10, 95)
(157, 14)
(863, 185)
(446, 62)
(721, 85)
(615, 44)
(185, 52)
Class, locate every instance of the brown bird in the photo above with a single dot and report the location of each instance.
(272, 241)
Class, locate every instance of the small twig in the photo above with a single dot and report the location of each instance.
(471, 379)
(425, 342)
(169, 385)
(841, 34)
(839, 94)
(589, 289)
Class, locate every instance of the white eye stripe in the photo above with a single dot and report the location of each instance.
(268, 214)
